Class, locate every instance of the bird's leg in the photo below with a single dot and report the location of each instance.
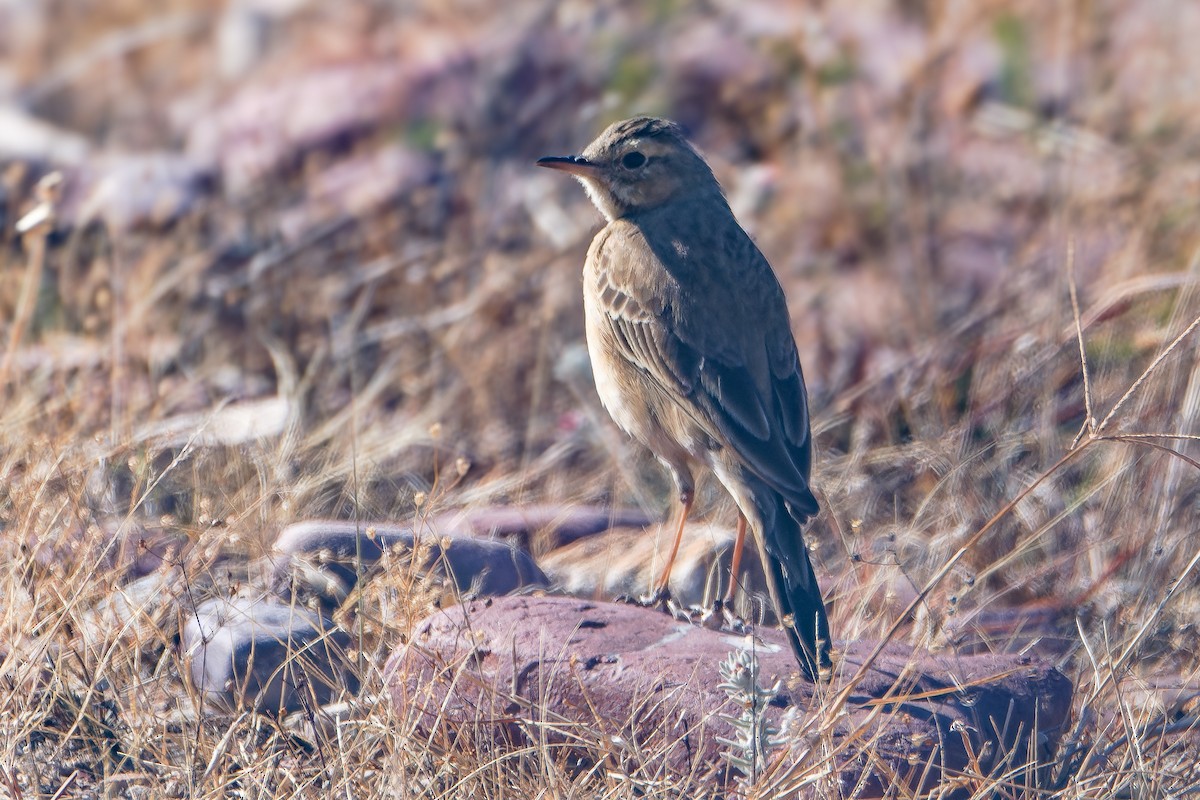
(721, 614)
(735, 565)
(660, 591)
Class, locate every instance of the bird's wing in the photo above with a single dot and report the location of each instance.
(716, 337)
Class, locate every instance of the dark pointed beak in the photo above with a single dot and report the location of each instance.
(576, 165)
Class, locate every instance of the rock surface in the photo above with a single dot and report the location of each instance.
(274, 657)
(642, 689)
(553, 524)
(324, 559)
(625, 561)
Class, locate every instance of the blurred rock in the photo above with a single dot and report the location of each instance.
(626, 561)
(1047, 627)
(127, 190)
(243, 31)
(119, 549)
(273, 657)
(644, 690)
(142, 548)
(144, 612)
(1158, 697)
(264, 126)
(25, 137)
(1154, 43)
(225, 425)
(62, 352)
(323, 559)
(551, 524)
(356, 186)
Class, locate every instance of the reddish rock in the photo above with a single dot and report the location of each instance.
(1050, 627)
(642, 690)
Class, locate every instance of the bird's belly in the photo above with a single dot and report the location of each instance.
(611, 375)
(637, 404)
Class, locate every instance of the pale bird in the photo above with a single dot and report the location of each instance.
(693, 353)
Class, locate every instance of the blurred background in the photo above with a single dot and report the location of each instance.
(302, 265)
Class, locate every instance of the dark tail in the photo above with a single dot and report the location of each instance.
(793, 584)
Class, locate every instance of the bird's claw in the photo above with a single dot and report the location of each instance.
(659, 598)
(721, 616)
(717, 617)
(680, 612)
(709, 616)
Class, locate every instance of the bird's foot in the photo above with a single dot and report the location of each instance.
(659, 599)
(708, 616)
(680, 612)
(723, 618)
(714, 617)
(717, 617)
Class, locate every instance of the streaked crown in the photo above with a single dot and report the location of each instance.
(639, 164)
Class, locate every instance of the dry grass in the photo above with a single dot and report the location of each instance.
(986, 221)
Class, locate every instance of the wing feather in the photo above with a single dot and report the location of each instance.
(732, 365)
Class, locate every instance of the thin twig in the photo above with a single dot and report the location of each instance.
(1150, 443)
(1089, 424)
(1120, 437)
(34, 227)
(1147, 373)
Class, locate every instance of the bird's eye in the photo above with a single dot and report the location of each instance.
(633, 160)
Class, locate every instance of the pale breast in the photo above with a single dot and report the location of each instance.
(609, 370)
(637, 403)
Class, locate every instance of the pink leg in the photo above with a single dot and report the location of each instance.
(660, 587)
(734, 568)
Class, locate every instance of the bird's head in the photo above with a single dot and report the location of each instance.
(638, 164)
